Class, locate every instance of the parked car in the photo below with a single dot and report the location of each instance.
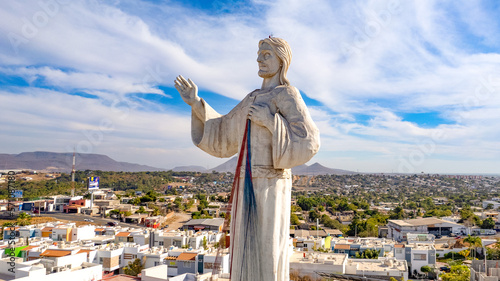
(112, 223)
(438, 236)
(445, 269)
(89, 220)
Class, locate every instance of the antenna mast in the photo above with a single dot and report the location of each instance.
(73, 176)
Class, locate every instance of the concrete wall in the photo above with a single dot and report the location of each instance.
(6, 264)
(83, 233)
(90, 273)
(74, 260)
(157, 273)
(310, 268)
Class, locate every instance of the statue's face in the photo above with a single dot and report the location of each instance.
(269, 63)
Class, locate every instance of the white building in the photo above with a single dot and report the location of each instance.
(398, 229)
(64, 268)
(310, 263)
(387, 267)
(82, 233)
(416, 255)
(495, 204)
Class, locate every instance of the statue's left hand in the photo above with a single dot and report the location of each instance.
(260, 114)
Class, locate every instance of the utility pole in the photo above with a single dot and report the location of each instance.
(317, 228)
(485, 261)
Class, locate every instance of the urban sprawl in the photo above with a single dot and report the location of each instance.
(173, 226)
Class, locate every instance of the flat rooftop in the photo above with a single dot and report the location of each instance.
(378, 265)
(322, 258)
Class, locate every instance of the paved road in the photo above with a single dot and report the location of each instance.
(81, 217)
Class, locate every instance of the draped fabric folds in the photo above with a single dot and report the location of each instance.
(260, 215)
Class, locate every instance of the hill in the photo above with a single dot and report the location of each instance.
(304, 170)
(318, 169)
(62, 162)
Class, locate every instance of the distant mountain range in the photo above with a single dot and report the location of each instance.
(62, 162)
(230, 166)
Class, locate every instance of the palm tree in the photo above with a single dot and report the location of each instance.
(474, 243)
(23, 219)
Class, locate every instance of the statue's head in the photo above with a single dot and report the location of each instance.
(283, 52)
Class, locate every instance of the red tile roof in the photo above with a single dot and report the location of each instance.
(342, 246)
(187, 257)
(55, 253)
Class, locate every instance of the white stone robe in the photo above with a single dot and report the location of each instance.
(293, 141)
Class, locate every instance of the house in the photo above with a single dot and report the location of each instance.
(72, 267)
(113, 256)
(195, 262)
(416, 255)
(136, 218)
(60, 201)
(353, 246)
(153, 222)
(75, 205)
(124, 237)
(82, 233)
(381, 267)
(61, 233)
(176, 239)
(310, 263)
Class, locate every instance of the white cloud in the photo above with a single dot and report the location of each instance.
(376, 58)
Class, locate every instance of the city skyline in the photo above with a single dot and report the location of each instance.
(393, 86)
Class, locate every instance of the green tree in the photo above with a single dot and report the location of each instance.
(426, 269)
(474, 243)
(466, 213)
(397, 214)
(205, 243)
(23, 219)
(135, 201)
(457, 273)
(294, 219)
(488, 223)
(156, 210)
(313, 215)
(368, 254)
(134, 268)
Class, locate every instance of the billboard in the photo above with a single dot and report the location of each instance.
(18, 194)
(93, 183)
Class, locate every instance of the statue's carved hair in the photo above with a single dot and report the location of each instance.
(284, 53)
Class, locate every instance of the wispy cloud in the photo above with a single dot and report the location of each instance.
(367, 62)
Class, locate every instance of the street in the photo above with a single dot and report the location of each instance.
(81, 217)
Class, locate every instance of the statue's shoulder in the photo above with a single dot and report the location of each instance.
(288, 91)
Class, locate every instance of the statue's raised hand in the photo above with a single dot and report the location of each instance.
(187, 89)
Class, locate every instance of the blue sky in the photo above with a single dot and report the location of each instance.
(394, 86)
